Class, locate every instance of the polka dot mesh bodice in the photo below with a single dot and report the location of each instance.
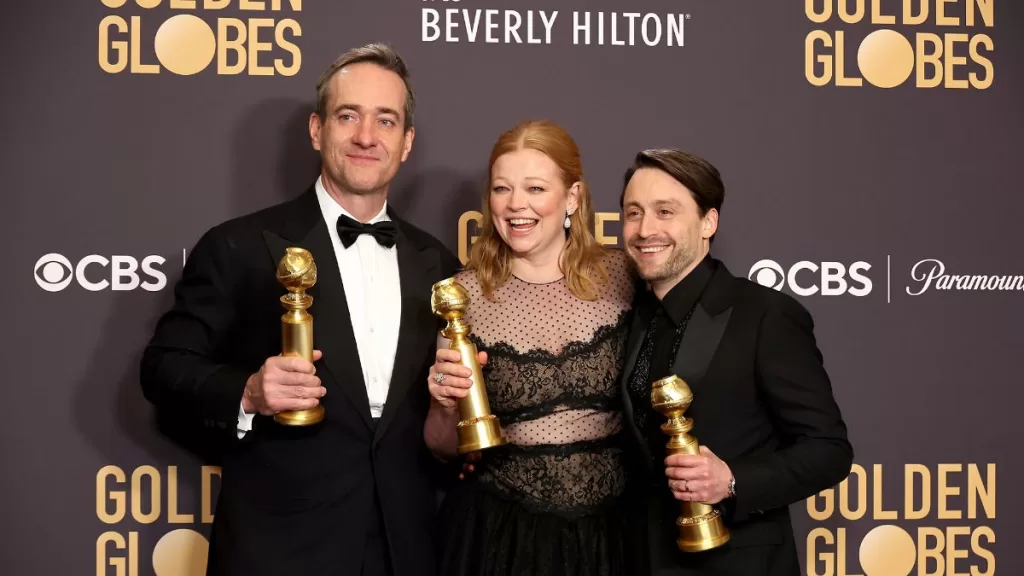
(552, 379)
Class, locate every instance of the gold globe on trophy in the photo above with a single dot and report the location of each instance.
(700, 525)
(296, 271)
(478, 429)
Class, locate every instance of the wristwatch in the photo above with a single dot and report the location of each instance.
(732, 487)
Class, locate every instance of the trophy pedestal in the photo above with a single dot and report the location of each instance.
(301, 417)
(698, 533)
(479, 434)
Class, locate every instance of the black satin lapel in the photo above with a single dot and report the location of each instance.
(339, 369)
(703, 333)
(637, 331)
(416, 269)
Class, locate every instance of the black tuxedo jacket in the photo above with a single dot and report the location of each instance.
(298, 500)
(762, 402)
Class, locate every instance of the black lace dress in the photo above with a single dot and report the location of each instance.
(547, 503)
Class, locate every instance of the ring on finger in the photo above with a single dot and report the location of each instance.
(439, 377)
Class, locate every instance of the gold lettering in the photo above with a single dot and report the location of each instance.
(858, 472)
(255, 47)
(880, 513)
(851, 17)
(466, 240)
(983, 553)
(924, 59)
(876, 14)
(599, 220)
(828, 498)
(293, 26)
(103, 493)
(926, 552)
(815, 16)
(154, 494)
(841, 79)
(940, 14)
(952, 61)
(983, 7)
(137, 66)
(207, 492)
(126, 565)
(986, 81)
(911, 19)
(983, 491)
(912, 470)
(812, 57)
(944, 491)
(813, 556)
(224, 44)
(119, 47)
(173, 516)
(841, 554)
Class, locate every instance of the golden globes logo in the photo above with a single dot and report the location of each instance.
(471, 222)
(957, 54)
(148, 497)
(939, 530)
(186, 44)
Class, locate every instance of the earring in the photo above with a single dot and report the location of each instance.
(567, 223)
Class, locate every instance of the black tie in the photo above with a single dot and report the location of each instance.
(384, 231)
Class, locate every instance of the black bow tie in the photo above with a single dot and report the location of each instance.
(385, 231)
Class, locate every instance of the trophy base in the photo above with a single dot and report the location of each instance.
(300, 417)
(479, 434)
(701, 533)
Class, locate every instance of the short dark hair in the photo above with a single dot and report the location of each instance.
(382, 55)
(699, 176)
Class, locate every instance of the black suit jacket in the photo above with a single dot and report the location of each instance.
(299, 500)
(762, 402)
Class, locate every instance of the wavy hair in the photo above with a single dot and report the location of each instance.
(580, 261)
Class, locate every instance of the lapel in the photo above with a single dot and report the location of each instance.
(705, 329)
(304, 227)
(418, 268)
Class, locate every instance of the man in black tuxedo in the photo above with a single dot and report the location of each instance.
(770, 431)
(356, 493)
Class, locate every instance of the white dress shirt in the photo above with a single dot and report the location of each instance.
(369, 274)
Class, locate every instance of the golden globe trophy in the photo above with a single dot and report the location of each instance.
(700, 525)
(478, 429)
(296, 271)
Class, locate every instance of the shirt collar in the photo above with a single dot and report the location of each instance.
(332, 210)
(678, 302)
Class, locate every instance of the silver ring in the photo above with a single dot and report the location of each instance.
(439, 377)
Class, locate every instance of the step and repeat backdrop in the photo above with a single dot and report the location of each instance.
(871, 155)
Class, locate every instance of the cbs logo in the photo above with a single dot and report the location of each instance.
(807, 278)
(54, 272)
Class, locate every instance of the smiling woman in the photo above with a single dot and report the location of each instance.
(549, 314)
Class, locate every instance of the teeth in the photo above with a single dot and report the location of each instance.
(521, 221)
(651, 249)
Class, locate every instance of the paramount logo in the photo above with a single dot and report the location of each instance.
(931, 274)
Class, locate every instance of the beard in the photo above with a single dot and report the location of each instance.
(680, 258)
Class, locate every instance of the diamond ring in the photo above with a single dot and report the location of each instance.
(439, 377)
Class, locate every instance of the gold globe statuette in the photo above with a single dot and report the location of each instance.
(478, 429)
(296, 271)
(700, 525)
